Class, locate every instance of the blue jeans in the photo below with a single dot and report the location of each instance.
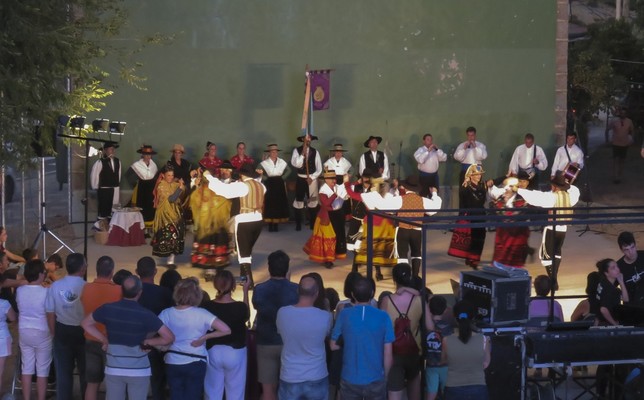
(69, 350)
(471, 392)
(371, 391)
(309, 390)
(186, 380)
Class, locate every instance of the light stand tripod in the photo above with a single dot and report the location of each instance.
(586, 196)
(42, 216)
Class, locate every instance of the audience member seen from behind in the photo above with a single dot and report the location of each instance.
(608, 295)
(64, 316)
(131, 328)
(540, 306)
(34, 336)
(367, 335)
(169, 279)
(304, 328)
(582, 311)
(405, 302)
(467, 354)
(268, 297)
(101, 291)
(226, 371)
(436, 359)
(54, 269)
(155, 298)
(321, 301)
(187, 358)
(120, 275)
(632, 267)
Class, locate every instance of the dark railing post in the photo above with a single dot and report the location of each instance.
(369, 244)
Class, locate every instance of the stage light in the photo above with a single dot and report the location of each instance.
(100, 125)
(74, 122)
(117, 127)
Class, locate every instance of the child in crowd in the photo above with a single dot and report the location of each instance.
(436, 362)
(54, 269)
(35, 337)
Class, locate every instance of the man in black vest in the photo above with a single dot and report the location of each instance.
(374, 159)
(308, 165)
(106, 179)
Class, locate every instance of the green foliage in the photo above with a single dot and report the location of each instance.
(50, 52)
(593, 74)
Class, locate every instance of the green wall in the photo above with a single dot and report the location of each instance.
(235, 71)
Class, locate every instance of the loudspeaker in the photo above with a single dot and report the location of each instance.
(503, 375)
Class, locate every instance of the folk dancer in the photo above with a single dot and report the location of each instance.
(467, 243)
(409, 237)
(358, 214)
(428, 156)
(241, 158)
(384, 232)
(563, 194)
(374, 159)
(530, 159)
(328, 240)
(169, 228)
(338, 163)
(106, 180)
(511, 243)
(183, 169)
(567, 154)
(469, 152)
(308, 165)
(210, 161)
(211, 213)
(249, 221)
(143, 196)
(273, 168)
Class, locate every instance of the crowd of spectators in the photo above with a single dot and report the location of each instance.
(131, 334)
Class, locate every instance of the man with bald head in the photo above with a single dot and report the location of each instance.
(304, 328)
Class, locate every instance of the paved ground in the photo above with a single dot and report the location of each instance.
(580, 251)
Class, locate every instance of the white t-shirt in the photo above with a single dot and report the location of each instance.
(31, 304)
(187, 325)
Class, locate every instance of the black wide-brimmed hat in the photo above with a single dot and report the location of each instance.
(226, 165)
(559, 181)
(301, 138)
(248, 170)
(378, 138)
(146, 149)
(107, 145)
(411, 183)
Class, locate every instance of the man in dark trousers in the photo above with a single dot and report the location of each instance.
(106, 179)
(308, 165)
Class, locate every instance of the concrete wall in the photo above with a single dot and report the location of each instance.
(235, 71)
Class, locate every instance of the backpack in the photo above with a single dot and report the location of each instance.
(404, 343)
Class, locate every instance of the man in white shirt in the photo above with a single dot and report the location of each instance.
(308, 166)
(428, 156)
(470, 152)
(569, 153)
(338, 163)
(249, 221)
(374, 159)
(562, 195)
(530, 159)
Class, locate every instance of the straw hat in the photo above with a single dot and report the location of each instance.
(270, 147)
(329, 174)
(338, 147)
(178, 147)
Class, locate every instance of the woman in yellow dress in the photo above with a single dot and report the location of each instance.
(169, 226)
(210, 213)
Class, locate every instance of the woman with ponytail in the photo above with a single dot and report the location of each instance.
(226, 371)
(468, 354)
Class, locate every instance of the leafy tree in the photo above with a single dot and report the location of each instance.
(50, 52)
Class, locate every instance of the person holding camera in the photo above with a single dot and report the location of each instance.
(469, 152)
